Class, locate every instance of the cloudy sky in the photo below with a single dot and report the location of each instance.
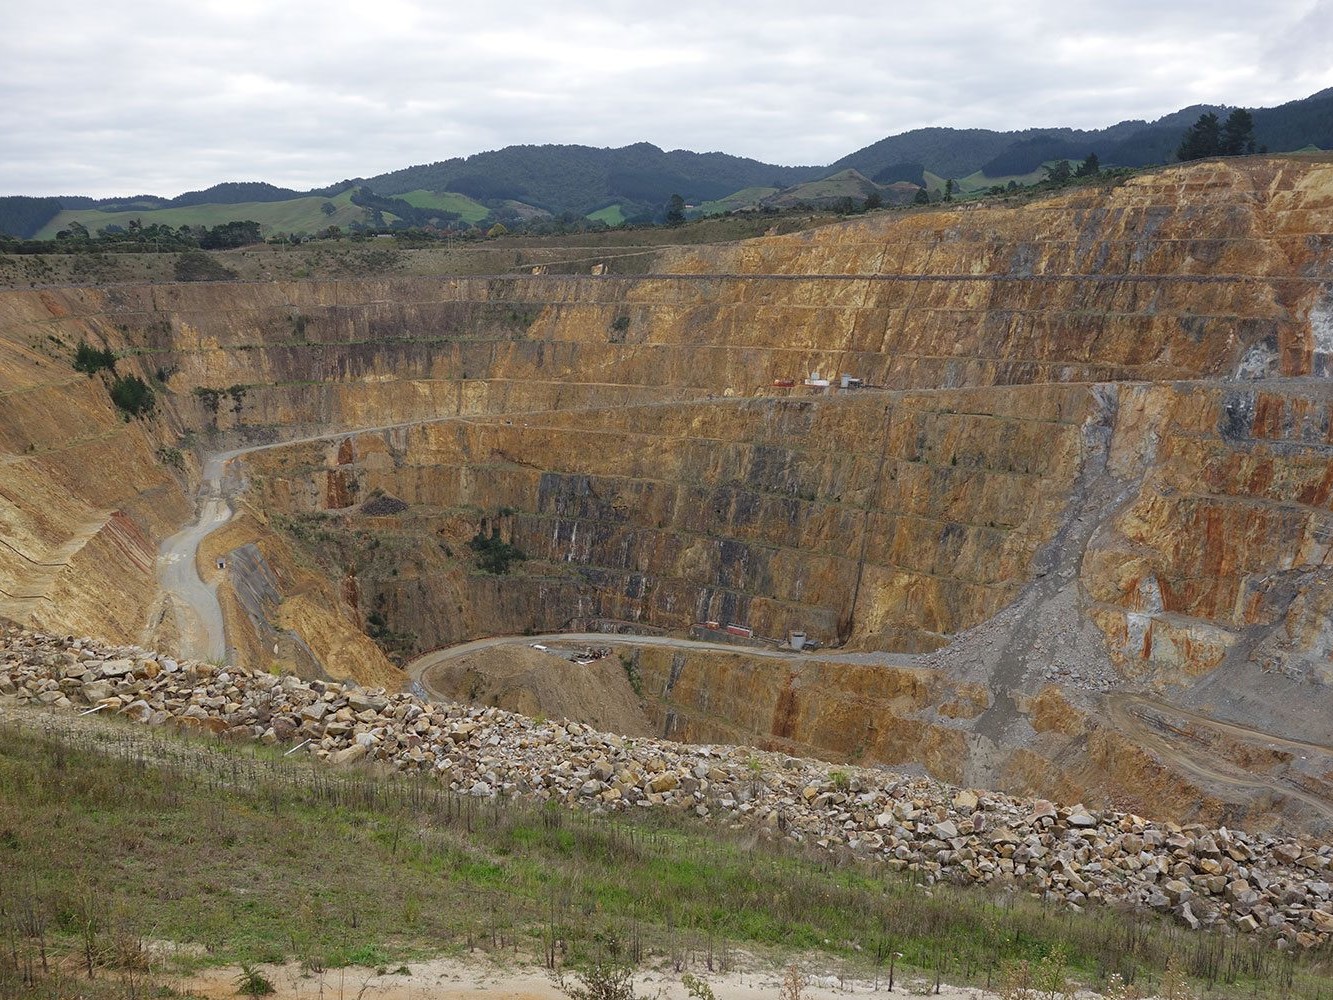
(122, 97)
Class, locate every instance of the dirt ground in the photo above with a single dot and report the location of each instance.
(536, 682)
(449, 979)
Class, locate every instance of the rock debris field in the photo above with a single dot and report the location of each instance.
(1071, 855)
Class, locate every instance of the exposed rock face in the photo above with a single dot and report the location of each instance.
(1069, 854)
(891, 520)
(1099, 466)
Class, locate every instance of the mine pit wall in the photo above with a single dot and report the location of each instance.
(891, 520)
(1182, 274)
(84, 497)
(908, 716)
(1216, 575)
(837, 711)
(1200, 271)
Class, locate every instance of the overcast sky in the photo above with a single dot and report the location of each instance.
(164, 96)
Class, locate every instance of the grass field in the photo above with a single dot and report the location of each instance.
(980, 182)
(743, 198)
(295, 215)
(447, 201)
(117, 833)
(844, 184)
(612, 215)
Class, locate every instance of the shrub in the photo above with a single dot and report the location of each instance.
(132, 396)
(494, 554)
(90, 360)
(697, 988)
(604, 981)
(793, 985)
(253, 983)
(173, 457)
(632, 675)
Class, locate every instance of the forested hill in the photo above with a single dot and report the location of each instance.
(633, 183)
(583, 179)
(948, 152)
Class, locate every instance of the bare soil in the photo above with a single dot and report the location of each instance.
(537, 682)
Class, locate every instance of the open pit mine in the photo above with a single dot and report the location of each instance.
(1067, 532)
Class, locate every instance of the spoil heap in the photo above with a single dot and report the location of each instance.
(1246, 883)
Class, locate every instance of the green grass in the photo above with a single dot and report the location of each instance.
(980, 182)
(261, 858)
(845, 184)
(447, 201)
(293, 215)
(744, 198)
(612, 215)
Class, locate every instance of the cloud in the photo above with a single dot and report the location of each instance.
(180, 96)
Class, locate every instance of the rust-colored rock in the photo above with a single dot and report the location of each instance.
(1097, 463)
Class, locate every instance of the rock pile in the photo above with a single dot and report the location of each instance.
(1248, 883)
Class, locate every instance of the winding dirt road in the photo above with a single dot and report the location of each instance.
(203, 633)
(198, 613)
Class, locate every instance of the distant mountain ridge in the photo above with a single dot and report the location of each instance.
(949, 152)
(637, 180)
(582, 179)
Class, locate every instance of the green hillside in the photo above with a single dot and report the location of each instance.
(612, 215)
(522, 183)
(749, 197)
(823, 192)
(980, 182)
(293, 216)
(447, 201)
(584, 179)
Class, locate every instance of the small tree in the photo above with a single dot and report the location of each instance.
(1237, 136)
(132, 396)
(90, 360)
(948, 189)
(873, 201)
(1059, 172)
(1201, 139)
(1090, 167)
(675, 210)
(922, 197)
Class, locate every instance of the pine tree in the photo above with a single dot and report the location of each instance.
(1090, 167)
(1201, 139)
(675, 210)
(1237, 134)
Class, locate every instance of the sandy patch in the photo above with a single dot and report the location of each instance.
(451, 979)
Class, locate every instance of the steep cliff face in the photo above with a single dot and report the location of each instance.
(1095, 461)
(83, 495)
(1225, 552)
(888, 519)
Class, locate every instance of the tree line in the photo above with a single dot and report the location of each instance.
(1210, 137)
(138, 238)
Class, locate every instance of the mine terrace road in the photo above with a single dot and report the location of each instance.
(1121, 707)
(199, 615)
(202, 627)
(419, 668)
